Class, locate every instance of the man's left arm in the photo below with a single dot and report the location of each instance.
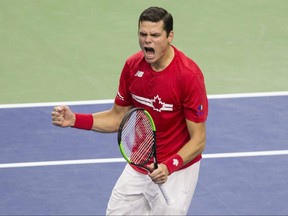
(197, 142)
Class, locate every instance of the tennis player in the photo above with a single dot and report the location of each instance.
(170, 86)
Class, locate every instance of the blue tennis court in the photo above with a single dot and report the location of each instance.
(47, 170)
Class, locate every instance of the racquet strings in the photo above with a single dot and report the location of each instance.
(138, 138)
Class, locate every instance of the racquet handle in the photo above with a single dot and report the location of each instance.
(167, 197)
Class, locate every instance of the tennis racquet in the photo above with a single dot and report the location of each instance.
(137, 141)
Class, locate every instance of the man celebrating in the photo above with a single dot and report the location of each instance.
(170, 86)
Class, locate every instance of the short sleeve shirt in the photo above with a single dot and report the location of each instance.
(171, 96)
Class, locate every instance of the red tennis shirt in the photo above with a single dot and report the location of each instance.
(170, 96)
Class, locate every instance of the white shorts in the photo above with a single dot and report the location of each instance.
(136, 194)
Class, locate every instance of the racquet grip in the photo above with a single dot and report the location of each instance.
(167, 197)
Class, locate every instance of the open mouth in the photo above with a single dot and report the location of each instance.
(149, 52)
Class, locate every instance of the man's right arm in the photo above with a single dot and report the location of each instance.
(106, 121)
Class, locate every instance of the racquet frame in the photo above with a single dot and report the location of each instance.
(126, 118)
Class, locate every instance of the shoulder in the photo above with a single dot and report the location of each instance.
(185, 62)
(186, 66)
(132, 64)
(135, 59)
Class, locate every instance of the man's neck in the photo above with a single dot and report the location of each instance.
(164, 61)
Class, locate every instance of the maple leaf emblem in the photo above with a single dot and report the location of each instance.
(175, 162)
(157, 103)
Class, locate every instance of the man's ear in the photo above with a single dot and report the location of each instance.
(171, 36)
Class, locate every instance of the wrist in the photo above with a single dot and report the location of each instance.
(174, 163)
(83, 121)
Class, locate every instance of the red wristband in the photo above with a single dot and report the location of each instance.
(83, 121)
(174, 163)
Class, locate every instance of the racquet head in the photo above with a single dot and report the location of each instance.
(137, 141)
(136, 137)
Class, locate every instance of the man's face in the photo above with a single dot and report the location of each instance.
(153, 41)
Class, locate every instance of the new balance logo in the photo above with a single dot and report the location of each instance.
(139, 74)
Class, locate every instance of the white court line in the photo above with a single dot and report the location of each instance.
(108, 101)
(248, 95)
(65, 162)
(117, 160)
(246, 154)
(48, 104)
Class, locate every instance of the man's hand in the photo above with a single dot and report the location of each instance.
(159, 175)
(62, 116)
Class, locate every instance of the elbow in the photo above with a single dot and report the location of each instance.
(202, 146)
